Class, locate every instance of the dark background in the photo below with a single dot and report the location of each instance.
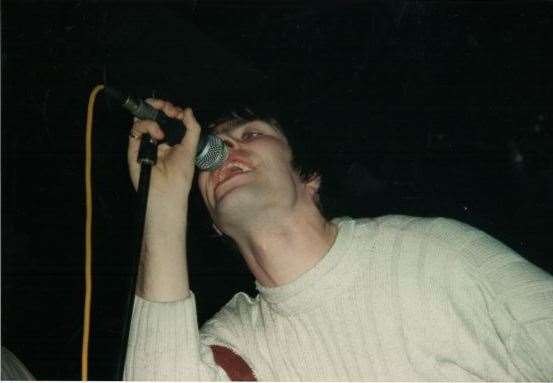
(412, 107)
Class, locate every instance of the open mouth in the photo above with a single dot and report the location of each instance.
(230, 170)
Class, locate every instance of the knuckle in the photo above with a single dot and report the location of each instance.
(152, 101)
(189, 119)
(142, 125)
(195, 128)
(171, 111)
(157, 103)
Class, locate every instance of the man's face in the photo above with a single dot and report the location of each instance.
(257, 174)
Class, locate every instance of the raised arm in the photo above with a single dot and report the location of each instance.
(164, 342)
(163, 275)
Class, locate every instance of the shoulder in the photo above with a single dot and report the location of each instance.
(445, 231)
(438, 227)
(433, 237)
(469, 254)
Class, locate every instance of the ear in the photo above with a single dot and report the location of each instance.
(312, 185)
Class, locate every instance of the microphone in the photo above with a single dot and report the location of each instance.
(212, 151)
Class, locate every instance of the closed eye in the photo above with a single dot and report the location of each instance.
(247, 136)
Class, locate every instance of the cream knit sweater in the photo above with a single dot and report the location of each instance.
(395, 299)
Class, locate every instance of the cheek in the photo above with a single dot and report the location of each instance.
(284, 159)
(275, 150)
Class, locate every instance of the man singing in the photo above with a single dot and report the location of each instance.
(393, 298)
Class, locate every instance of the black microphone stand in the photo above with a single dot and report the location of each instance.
(147, 157)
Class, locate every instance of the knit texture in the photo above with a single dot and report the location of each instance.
(13, 368)
(396, 298)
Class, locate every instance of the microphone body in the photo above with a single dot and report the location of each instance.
(212, 151)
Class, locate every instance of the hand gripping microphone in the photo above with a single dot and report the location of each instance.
(212, 151)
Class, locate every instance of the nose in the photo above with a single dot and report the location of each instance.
(229, 141)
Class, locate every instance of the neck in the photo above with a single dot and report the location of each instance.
(280, 246)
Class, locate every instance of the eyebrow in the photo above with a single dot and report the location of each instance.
(229, 127)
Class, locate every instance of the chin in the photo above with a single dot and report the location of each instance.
(240, 196)
(242, 203)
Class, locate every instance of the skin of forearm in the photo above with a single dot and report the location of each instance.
(163, 273)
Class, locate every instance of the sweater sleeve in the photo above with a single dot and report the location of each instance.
(525, 295)
(164, 344)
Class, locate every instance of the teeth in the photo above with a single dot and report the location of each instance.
(239, 166)
(229, 169)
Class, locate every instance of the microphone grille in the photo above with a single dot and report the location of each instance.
(213, 154)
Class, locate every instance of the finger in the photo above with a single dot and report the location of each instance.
(141, 127)
(190, 139)
(184, 152)
(166, 107)
(132, 156)
(162, 150)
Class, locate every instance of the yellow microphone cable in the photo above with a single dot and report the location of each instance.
(147, 157)
(88, 234)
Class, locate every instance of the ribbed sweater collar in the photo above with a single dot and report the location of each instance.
(320, 282)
